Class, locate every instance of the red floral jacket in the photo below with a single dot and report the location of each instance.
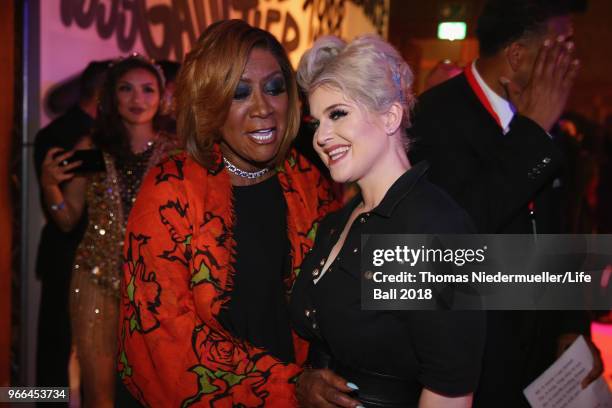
(177, 275)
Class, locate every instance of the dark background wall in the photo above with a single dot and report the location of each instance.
(592, 94)
(413, 25)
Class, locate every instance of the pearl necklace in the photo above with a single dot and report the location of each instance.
(242, 173)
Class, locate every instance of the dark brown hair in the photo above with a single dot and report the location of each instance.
(110, 133)
(209, 77)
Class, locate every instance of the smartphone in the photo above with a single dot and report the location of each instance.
(92, 161)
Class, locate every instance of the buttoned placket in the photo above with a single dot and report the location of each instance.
(360, 221)
(317, 273)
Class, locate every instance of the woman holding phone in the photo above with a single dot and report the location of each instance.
(127, 135)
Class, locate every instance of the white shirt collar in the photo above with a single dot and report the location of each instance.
(503, 108)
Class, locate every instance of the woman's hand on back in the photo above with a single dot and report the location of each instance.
(321, 388)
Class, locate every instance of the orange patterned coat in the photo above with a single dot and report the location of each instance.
(177, 275)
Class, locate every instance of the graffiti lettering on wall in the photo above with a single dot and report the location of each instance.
(162, 28)
(326, 17)
(376, 11)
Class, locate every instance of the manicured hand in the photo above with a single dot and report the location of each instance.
(324, 389)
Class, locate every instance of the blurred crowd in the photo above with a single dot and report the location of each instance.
(128, 110)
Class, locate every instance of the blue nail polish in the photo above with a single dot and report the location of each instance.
(352, 386)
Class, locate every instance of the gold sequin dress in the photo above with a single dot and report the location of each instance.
(96, 271)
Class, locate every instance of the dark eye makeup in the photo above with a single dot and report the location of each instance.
(337, 114)
(243, 91)
(275, 86)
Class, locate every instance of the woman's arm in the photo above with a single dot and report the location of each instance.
(63, 190)
(449, 347)
(430, 399)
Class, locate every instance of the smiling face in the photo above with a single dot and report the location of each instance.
(257, 120)
(138, 96)
(351, 140)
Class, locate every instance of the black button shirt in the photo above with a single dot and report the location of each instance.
(436, 349)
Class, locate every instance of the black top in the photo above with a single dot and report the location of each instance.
(438, 350)
(494, 176)
(257, 311)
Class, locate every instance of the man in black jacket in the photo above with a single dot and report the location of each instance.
(485, 135)
(56, 248)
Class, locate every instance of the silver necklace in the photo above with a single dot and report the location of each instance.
(242, 173)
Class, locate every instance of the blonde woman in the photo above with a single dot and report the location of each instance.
(359, 94)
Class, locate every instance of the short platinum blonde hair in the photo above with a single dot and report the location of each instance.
(368, 71)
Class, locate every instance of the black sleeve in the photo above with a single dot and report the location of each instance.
(448, 347)
(490, 177)
(527, 160)
(319, 355)
(452, 221)
(573, 321)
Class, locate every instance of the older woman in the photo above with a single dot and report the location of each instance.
(360, 95)
(217, 235)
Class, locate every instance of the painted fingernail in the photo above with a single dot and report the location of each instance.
(560, 38)
(570, 45)
(547, 42)
(352, 386)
